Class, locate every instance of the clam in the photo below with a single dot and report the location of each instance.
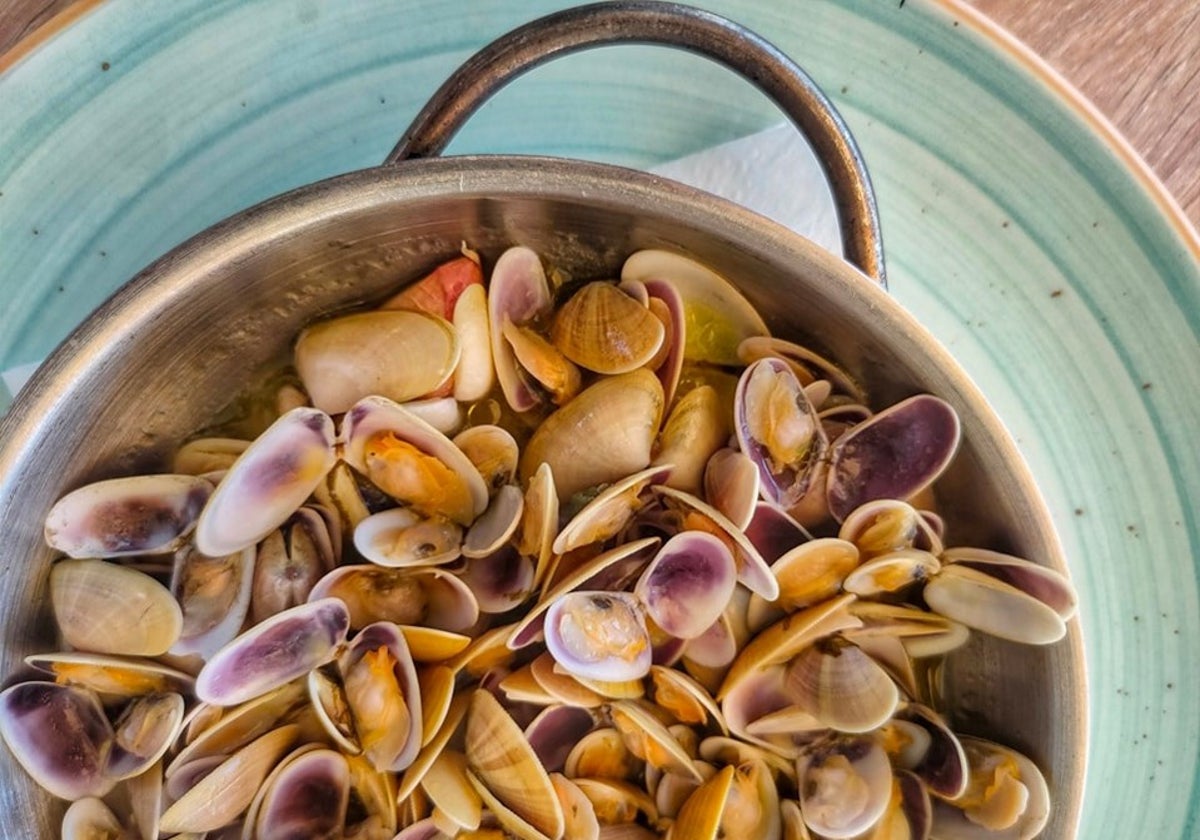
(579, 814)
(607, 514)
(541, 362)
(517, 293)
(105, 608)
(602, 754)
(428, 596)
(808, 366)
(400, 355)
(893, 573)
(494, 453)
(615, 802)
(401, 537)
(561, 686)
(717, 316)
(286, 646)
(773, 532)
(497, 525)
(731, 482)
(267, 483)
(841, 686)
(383, 696)
(149, 514)
(613, 569)
(666, 304)
(687, 513)
(307, 796)
(814, 571)
(223, 795)
(60, 735)
(688, 584)
(500, 581)
(290, 560)
(602, 435)
(845, 786)
(508, 769)
(778, 428)
(412, 462)
(1003, 596)
(90, 819)
(695, 429)
(451, 792)
(143, 733)
(556, 732)
(214, 595)
(539, 521)
(605, 330)
(684, 698)
(921, 741)
(1006, 797)
(442, 413)
(599, 634)
(410, 780)
(894, 455)
(650, 740)
(475, 374)
(884, 526)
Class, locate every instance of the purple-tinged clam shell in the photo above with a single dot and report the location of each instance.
(148, 514)
(669, 371)
(778, 428)
(555, 731)
(894, 455)
(60, 735)
(497, 524)
(500, 581)
(937, 757)
(1001, 595)
(845, 787)
(143, 734)
(686, 512)
(688, 584)
(268, 482)
(517, 292)
(1006, 797)
(214, 594)
(286, 646)
(773, 532)
(384, 695)
(307, 797)
(599, 635)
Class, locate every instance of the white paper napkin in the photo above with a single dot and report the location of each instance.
(773, 172)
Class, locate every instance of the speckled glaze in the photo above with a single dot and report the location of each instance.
(1017, 230)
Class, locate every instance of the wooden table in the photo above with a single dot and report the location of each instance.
(1138, 61)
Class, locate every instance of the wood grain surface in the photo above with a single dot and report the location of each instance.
(1138, 61)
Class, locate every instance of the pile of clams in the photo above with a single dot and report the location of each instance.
(533, 557)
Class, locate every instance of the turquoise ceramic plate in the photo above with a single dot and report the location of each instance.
(1018, 229)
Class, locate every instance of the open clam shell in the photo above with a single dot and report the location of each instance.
(214, 596)
(695, 428)
(494, 453)
(383, 695)
(60, 735)
(400, 537)
(718, 316)
(518, 293)
(412, 461)
(845, 787)
(778, 429)
(148, 514)
(609, 511)
(111, 676)
(267, 483)
(143, 733)
(307, 796)
(894, 455)
(89, 818)
(1006, 797)
(427, 596)
(598, 634)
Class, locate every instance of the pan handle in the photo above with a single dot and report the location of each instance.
(683, 27)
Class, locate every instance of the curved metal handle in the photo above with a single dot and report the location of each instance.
(673, 25)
